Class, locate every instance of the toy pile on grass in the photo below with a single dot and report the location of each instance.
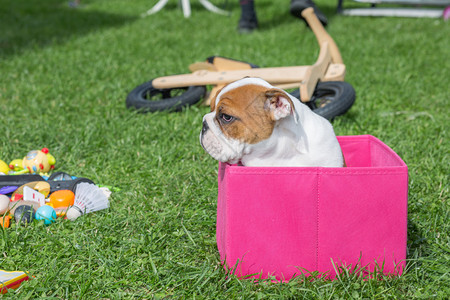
(28, 193)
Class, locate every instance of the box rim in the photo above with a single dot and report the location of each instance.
(369, 170)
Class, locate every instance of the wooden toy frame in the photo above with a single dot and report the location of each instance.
(328, 69)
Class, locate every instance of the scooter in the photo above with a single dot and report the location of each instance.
(321, 86)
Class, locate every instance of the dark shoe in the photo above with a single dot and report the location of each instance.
(247, 25)
(297, 6)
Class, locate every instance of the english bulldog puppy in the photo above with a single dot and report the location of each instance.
(256, 124)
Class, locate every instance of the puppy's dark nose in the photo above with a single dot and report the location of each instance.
(205, 127)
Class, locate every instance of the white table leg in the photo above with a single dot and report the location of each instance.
(186, 8)
(158, 6)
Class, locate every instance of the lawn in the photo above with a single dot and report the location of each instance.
(64, 77)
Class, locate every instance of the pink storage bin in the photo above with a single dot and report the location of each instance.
(277, 221)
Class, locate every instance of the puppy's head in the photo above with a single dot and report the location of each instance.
(244, 113)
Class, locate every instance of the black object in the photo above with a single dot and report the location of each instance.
(248, 20)
(330, 98)
(63, 181)
(57, 181)
(56, 185)
(18, 180)
(212, 58)
(75, 182)
(58, 176)
(146, 98)
(24, 214)
(297, 6)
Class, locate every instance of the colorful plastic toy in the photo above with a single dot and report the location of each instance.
(11, 280)
(57, 181)
(5, 221)
(14, 205)
(46, 213)
(16, 165)
(42, 187)
(23, 197)
(39, 161)
(62, 198)
(4, 168)
(35, 162)
(24, 214)
(4, 204)
(7, 189)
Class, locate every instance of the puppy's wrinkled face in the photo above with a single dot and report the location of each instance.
(242, 116)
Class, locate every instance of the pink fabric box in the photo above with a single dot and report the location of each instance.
(278, 221)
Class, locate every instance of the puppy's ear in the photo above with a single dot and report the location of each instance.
(213, 100)
(279, 104)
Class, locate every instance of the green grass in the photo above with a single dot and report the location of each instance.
(65, 74)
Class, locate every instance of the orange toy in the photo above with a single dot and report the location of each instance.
(62, 198)
(4, 221)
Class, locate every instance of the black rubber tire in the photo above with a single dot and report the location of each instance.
(56, 185)
(330, 98)
(146, 98)
(60, 176)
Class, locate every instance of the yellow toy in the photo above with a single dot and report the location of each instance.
(62, 198)
(36, 161)
(4, 168)
(16, 165)
(39, 161)
(42, 187)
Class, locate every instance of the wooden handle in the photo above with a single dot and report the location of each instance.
(322, 35)
(205, 77)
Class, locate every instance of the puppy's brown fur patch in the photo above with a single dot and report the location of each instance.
(251, 107)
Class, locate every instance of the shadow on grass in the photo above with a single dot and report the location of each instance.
(35, 23)
(417, 243)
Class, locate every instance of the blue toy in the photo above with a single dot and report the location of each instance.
(46, 213)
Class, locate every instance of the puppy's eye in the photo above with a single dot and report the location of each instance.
(226, 118)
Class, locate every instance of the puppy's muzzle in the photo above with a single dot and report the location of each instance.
(205, 127)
